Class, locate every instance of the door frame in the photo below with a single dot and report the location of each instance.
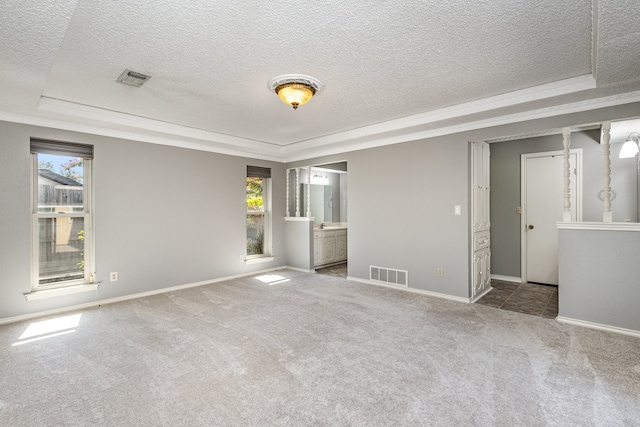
(523, 198)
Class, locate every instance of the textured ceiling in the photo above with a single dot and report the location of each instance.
(386, 66)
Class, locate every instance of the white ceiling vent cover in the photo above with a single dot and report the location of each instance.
(132, 78)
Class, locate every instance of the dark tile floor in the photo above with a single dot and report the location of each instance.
(339, 270)
(528, 298)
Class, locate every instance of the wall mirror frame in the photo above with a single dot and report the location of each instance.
(318, 192)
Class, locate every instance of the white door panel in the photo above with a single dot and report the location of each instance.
(544, 205)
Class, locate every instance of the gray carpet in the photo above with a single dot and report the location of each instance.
(315, 350)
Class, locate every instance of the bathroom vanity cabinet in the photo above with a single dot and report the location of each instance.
(329, 246)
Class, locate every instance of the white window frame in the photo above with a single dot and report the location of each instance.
(266, 214)
(87, 215)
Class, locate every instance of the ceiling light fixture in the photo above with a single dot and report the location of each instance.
(630, 148)
(317, 179)
(295, 89)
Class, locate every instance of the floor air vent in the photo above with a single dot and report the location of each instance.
(389, 275)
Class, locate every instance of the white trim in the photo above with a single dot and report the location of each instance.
(543, 91)
(599, 226)
(303, 270)
(87, 218)
(299, 218)
(107, 116)
(98, 303)
(262, 150)
(546, 132)
(506, 278)
(267, 219)
(258, 260)
(293, 153)
(481, 294)
(562, 87)
(523, 198)
(198, 139)
(408, 289)
(598, 326)
(56, 292)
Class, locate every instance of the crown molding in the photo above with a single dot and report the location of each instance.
(538, 134)
(118, 125)
(561, 87)
(296, 153)
(184, 142)
(113, 117)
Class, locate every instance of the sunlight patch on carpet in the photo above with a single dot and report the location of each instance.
(272, 279)
(49, 328)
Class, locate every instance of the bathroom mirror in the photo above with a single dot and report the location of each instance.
(321, 202)
(625, 179)
(327, 194)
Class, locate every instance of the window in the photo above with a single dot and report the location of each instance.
(62, 244)
(258, 211)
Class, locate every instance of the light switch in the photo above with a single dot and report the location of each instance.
(457, 210)
(518, 210)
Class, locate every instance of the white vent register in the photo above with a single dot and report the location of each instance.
(133, 78)
(389, 276)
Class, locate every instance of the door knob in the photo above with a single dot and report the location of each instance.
(530, 227)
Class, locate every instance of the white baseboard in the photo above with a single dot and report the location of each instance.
(598, 326)
(480, 295)
(303, 270)
(414, 290)
(132, 296)
(506, 278)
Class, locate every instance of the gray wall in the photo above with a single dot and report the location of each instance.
(401, 200)
(400, 212)
(334, 182)
(599, 272)
(299, 242)
(164, 217)
(343, 197)
(506, 183)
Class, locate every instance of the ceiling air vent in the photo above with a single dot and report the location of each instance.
(132, 78)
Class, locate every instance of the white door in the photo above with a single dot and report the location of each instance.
(543, 202)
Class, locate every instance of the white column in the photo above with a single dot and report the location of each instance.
(286, 209)
(607, 215)
(297, 191)
(309, 192)
(566, 173)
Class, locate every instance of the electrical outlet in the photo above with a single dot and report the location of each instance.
(241, 258)
(113, 276)
(440, 272)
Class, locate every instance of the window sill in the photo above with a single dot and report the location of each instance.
(50, 293)
(260, 260)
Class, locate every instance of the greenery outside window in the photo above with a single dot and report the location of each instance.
(258, 211)
(62, 231)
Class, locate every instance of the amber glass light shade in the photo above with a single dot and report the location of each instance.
(295, 94)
